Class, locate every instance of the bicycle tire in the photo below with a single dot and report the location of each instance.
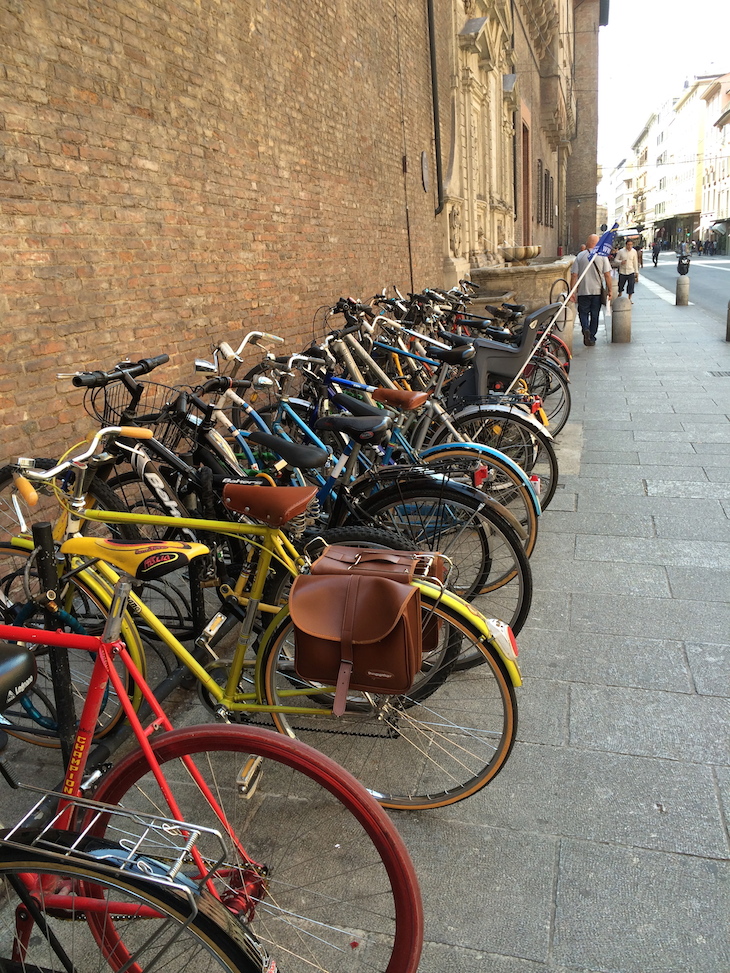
(341, 893)
(489, 563)
(27, 716)
(423, 750)
(502, 484)
(160, 924)
(546, 379)
(511, 433)
(555, 346)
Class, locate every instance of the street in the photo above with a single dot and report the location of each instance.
(709, 280)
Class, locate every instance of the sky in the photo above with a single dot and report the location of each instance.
(646, 52)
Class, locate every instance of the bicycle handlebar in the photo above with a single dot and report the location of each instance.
(222, 383)
(253, 337)
(125, 432)
(98, 379)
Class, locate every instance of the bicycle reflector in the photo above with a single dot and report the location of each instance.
(481, 473)
(504, 637)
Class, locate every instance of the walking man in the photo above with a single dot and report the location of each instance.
(628, 269)
(588, 293)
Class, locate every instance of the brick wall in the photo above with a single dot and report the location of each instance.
(169, 169)
(582, 167)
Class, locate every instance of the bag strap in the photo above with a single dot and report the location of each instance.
(349, 616)
(601, 281)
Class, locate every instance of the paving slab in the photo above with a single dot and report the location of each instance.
(655, 618)
(635, 911)
(615, 660)
(665, 805)
(676, 726)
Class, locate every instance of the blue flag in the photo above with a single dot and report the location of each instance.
(603, 247)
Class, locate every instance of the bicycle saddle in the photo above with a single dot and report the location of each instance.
(17, 671)
(295, 454)
(452, 356)
(366, 430)
(358, 407)
(401, 398)
(143, 560)
(274, 506)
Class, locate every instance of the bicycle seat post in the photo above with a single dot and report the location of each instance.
(113, 625)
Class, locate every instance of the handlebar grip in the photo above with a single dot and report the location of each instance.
(136, 432)
(150, 363)
(221, 383)
(99, 379)
(90, 380)
(26, 490)
(225, 349)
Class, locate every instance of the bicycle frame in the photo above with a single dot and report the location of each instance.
(106, 649)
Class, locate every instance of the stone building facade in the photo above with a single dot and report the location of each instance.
(174, 172)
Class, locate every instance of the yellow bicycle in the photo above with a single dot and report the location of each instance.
(439, 743)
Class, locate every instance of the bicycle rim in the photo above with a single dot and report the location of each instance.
(515, 436)
(443, 741)
(331, 884)
(488, 561)
(500, 483)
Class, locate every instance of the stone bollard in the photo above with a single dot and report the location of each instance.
(621, 319)
(727, 327)
(682, 299)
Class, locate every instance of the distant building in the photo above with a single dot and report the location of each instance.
(676, 184)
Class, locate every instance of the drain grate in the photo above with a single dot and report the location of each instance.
(719, 374)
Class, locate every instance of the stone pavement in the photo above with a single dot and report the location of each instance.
(603, 844)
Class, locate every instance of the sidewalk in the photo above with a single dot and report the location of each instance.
(603, 844)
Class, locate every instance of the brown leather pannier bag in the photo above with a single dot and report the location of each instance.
(397, 565)
(356, 632)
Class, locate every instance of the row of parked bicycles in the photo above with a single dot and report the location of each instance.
(334, 544)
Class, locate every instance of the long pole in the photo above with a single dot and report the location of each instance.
(548, 329)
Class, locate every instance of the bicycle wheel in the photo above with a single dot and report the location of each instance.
(548, 381)
(500, 483)
(559, 350)
(325, 882)
(32, 716)
(513, 434)
(443, 741)
(439, 515)
(58, 914)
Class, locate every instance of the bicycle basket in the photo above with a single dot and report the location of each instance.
(109, 403)
(154, 409)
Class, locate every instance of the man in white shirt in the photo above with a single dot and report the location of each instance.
(589, 288)
(628, 268)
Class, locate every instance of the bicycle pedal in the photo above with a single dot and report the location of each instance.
(249, 777)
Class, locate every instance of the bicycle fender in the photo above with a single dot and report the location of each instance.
(481, 623)
(485, 453)
(384, 474)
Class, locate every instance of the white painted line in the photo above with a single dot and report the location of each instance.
(666, 295)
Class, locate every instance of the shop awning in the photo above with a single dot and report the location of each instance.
(721, 226)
